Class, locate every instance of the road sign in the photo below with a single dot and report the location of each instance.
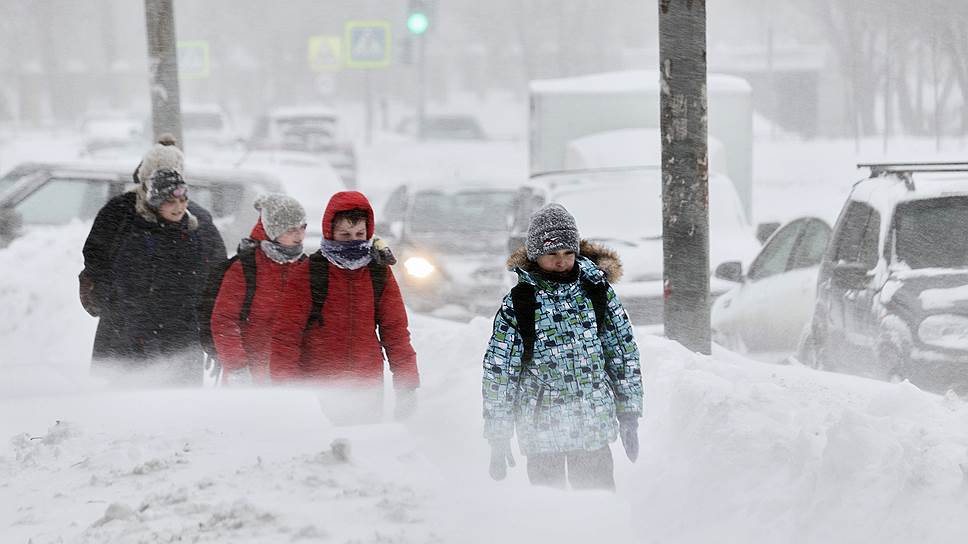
(325, 53)
(194, 59)
(367, 44)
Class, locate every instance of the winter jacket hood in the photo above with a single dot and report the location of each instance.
(258, 232)
(345, 201)
(605, 258)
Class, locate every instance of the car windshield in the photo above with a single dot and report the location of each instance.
(627, 204)
(307, 125)
(932, 233)
(459, 128)
(466, 211)
(201, 121)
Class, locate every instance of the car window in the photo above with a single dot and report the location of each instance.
(396, 206)
(812, 245)
(465, 211)
(203, 196)
(868, 244)
(850, 234)
(775, 255)
(61, 200)
(932, 233)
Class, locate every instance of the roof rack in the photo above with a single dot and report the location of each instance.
(879, 168)
(905, 169)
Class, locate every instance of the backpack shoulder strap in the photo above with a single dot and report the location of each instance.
(247, 258)
(523, 301)
(378, 277)
(598, 294)
(318, 285)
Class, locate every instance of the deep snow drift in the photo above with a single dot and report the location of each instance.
(733, 450)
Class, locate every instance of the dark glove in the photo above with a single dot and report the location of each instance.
(86, 293)
(628, 430)
(406, 404)
(501, 459)
(381, 253)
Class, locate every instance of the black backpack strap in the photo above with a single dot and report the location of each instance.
(598, 294)
(247, 258)
(318, 285)
(378, 276)
(523, 301)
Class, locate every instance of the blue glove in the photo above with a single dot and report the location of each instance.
(501, 459)
(628, 430)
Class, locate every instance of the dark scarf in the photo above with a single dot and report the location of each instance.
(351, 255)
(569, 276)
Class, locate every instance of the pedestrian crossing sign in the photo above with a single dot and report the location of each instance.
(367, 44)
(194, 59)
(325, 53)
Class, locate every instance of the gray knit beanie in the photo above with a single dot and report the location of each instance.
(551, 229)
(280, 213)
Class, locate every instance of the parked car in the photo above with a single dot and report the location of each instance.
(207, 127)
(48, 194)
(442, 127)
(113, 133)
(307, 129)
(622, 208)
(771, 304)
(892, 290)
(452, 242)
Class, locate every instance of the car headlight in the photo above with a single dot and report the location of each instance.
(419, 267)
(945, 331)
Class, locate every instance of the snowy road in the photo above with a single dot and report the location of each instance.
(733, 450)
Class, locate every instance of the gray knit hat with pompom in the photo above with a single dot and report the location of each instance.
(280, 213)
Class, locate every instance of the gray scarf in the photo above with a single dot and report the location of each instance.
(280, 253)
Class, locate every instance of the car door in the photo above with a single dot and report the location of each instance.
(760, 320)
(799, 283)
(839, 299)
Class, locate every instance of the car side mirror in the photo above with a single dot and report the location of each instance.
(851, 276)
(765, 230)
(11, 223)
(730, 271)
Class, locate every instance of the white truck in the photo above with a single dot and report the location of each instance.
(612, 120)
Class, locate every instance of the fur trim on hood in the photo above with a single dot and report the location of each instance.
(605, 258)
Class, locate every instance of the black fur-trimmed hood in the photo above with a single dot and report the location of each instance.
(605, 258)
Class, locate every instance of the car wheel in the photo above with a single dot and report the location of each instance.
(890, 363)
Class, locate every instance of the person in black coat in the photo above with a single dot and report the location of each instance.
(146, 261)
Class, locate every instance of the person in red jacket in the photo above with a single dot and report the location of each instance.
(342, 347)
(276, 249)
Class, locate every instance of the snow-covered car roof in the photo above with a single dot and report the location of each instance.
(629, 81)
(123, 170)
(884, 192)
(302, 111)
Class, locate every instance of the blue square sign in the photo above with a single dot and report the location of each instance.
(367, 44)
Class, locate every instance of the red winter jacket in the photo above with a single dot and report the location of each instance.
(345, 347)
(247, 344)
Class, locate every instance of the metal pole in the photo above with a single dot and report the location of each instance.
(368, 84)
(163, 69)
(421, 83)
(685, 172)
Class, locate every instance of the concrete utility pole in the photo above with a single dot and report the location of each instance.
(163, 69)
(685, 172)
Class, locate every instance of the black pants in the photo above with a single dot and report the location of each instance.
(582, 469)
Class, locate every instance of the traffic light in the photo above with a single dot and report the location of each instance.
(419, 14)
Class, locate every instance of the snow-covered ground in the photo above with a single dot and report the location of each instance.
(732, 450)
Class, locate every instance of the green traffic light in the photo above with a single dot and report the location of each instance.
(417, 23)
